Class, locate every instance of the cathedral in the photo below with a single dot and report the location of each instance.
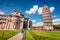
(15, 21)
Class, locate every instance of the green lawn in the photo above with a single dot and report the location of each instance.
(41, 35)
(5, 34)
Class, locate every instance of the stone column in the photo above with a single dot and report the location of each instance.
(21, 23)
(28, 24)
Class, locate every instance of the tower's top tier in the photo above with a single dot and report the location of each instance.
(45, 9)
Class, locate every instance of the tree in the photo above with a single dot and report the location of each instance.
(56, 26)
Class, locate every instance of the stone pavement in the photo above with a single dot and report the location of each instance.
(19, 36)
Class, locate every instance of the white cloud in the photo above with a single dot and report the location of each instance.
(13, 13)
(38, 24)
(33, 21)
(54, 16)
(52, 9)
(40, 10)
(56, 21)
(2, 13)
(32, 10)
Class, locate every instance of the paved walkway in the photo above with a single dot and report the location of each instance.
(19, 36)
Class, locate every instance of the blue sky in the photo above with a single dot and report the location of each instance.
(8, 6)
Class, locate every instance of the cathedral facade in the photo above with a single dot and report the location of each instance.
(14, 21)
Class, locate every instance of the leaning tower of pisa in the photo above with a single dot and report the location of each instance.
(47, 20)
